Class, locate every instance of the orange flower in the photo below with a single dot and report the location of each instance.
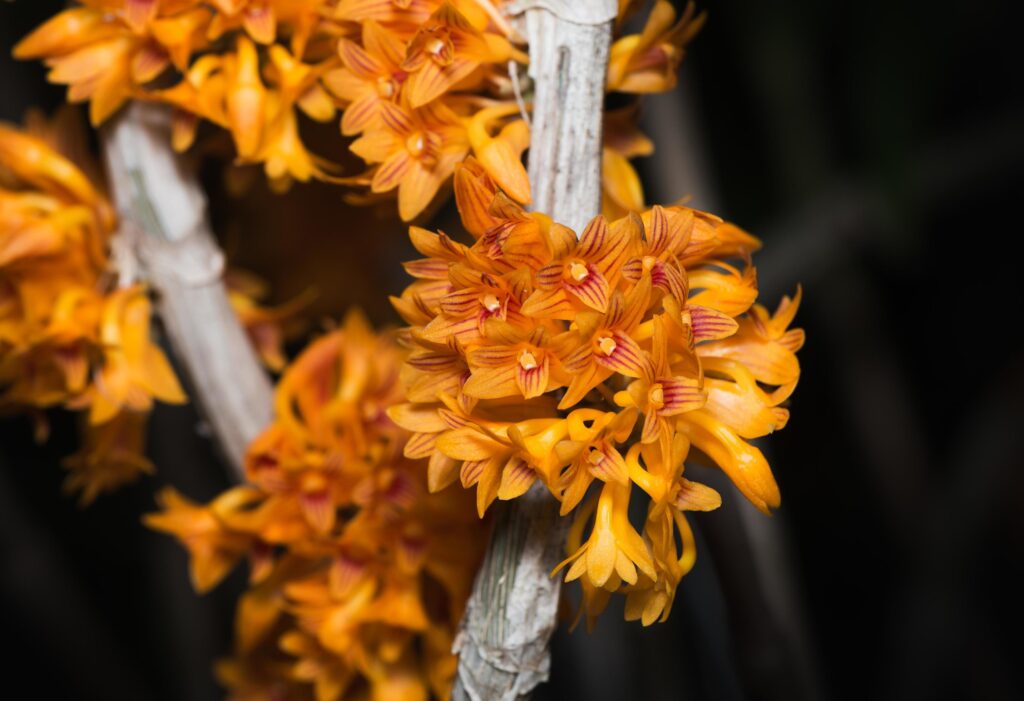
(647, 62)
(417, 152)
(446, 50)
(134, 370)
(371, 75)
(584, 276)
(213, 548)
(113, 454)
(622, 191)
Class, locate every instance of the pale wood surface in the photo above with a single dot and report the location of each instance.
(512, 612)
(165, 239)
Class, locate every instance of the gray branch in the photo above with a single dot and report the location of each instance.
(503, 644)
(164, 232)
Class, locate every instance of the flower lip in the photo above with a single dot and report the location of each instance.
(656, 395)
(416, 144)
(577, 271)
(491, 303)
(607, 345)
(386, 87)
(527, 360)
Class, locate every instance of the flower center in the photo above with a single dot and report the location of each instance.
(386, 88)
(527, 360)
(607, 345)
(438, 51)
(491, 303)
(578, 271)
(649, 262)
(595, 457)
(656, 396)
(416, 144)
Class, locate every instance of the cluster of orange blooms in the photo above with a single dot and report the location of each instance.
(595, 365)
(69, 335)
(421, 83)
(540, 356)
(251, 66)
(358, 575)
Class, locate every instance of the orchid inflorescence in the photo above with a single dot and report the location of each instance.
(607, 358)
(358, 575)
(596, 364)
(69, 335)
(419, 83)
(73, 333)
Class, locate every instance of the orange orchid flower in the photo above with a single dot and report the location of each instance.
(134, 370)
(417, 152)
(647, 62)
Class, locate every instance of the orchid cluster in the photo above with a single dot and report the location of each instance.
(595, 366)
(358, 575)
(72, 334)
(411, 78)
(69, 335)
(419, 83)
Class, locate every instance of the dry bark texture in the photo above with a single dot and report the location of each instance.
(503, 644)
(164, 232)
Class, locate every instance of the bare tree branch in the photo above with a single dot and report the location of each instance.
(511, 614)
(164, 229)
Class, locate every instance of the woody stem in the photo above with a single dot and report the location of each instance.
(164, 229)
(511, 614)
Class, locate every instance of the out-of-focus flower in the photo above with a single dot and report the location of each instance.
(267, 327)
(68, 336)
(537, 356)
(252, 66)
(640, 64)
(647, 62)
(358, 573)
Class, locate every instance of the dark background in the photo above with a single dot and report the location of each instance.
(878, 150)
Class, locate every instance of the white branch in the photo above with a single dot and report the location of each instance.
(163, 224)
(503, 644)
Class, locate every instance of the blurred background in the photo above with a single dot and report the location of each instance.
(878, 150)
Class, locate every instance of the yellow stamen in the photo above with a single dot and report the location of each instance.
(649, 262)
(607, 345)
(527, 360)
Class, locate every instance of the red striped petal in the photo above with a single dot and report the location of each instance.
(592, 291)
(533, 382)
(681, 394)
(517, 477)
(358, 61)
(427, 268)
(626, 358)
(710, 324)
